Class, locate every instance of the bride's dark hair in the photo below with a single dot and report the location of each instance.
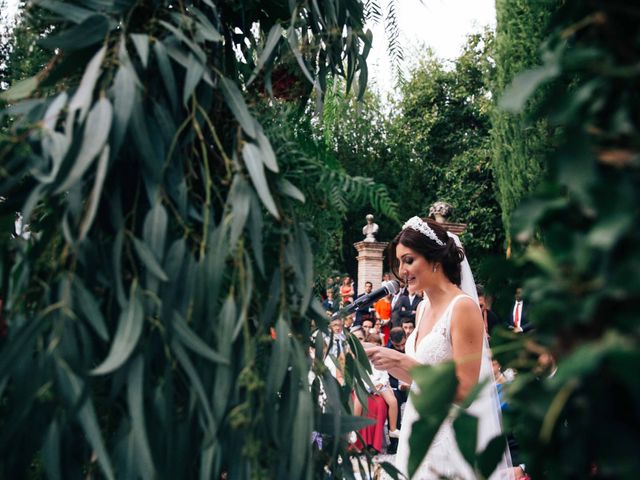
(450, 256)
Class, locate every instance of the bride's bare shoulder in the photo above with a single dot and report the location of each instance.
(466, 314)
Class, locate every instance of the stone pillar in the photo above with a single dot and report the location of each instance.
(370, 263)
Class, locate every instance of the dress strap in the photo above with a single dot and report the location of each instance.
(420, 310)
(449, 312)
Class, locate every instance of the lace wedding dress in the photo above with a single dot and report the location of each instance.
(444, 460)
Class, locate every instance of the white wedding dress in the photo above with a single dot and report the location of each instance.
(444, 460)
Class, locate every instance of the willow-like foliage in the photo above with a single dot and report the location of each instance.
(159, 312)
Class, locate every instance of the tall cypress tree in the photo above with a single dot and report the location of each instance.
(518, 144)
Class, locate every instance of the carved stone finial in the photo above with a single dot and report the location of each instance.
(370, 229)
(439, 211)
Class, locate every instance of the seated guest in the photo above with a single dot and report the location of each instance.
(367, 326)
(372, 327)
(397, 340)
(408, 326)
(358, 332)
(380, 381)
(376, 410)
(348, 321)
(329, 303)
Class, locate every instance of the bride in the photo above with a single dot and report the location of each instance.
(449, 326)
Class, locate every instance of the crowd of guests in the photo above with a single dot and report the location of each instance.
(389, 322)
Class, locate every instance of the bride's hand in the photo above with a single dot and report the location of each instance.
(384, 358)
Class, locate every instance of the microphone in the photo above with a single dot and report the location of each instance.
(388, 288)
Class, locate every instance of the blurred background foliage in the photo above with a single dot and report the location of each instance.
(580, 263)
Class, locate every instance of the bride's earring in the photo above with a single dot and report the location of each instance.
(435, 268)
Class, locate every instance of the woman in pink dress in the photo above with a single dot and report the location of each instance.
(346, 291)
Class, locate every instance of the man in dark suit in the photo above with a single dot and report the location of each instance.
(409, 305)
(518, 316)
(367, 312)
(396, 304)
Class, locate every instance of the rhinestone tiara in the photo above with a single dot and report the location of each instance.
(417, 224)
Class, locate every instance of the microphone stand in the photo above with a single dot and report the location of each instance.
(348, 310)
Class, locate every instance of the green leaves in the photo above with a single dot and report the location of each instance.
(204, 26)
(268, 155)
(196, 386)
(289, 189)
(96, 133)
(72, 386)
(490, 457)
(68, 11)
(190, 340)
(155, 230)
(195, 71)
(135, 398)
(525, 84)
(437, 384)
(465, 427)
(124, 96)
(279, 361)
(237, 105)
(51, 451)
(101, 173)
(166, 71)
(149, 259)
(81, 100)
(240, 200)
(348, 423)
(141, 42)
(274, 37)
(127, 334)
(21, 89)
(301, 432)
(90, 308)
(90, 31)
(252, 156)
(579, 249)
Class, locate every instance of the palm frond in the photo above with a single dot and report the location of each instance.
(394, 47)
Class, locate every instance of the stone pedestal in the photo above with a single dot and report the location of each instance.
(457, 228)
(370, 263)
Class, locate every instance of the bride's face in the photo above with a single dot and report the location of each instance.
(412, 267)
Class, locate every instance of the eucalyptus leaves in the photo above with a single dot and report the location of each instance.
(166, 244)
